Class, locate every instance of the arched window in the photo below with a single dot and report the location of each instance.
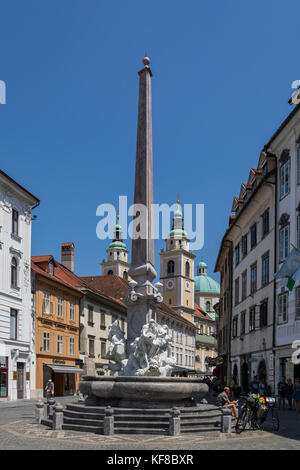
(207, 306)
(187, 269)
(14, 272)
(171, 267)
(125, 275)
(110, 272)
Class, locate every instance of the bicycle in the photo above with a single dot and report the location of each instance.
(248, 415)
(255, 415)
(270, 412)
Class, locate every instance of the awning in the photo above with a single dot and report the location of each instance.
(62, 369)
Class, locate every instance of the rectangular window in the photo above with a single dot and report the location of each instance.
(15, 222)
(46, 303)
(72, 311)
(72, 346)
(237, 254)
(263, 314)
(253, 236)
(13, 324)
(91, 347)
(252, 319)
(103, 349)
(244, 245)
(265, 223)
(90, 314)
(282, 308)
(243, 323)
(60, 307)
(234, 327)
(46, 341)
(253, 286)
(298, 232)
(265, 271)
(236, 291)
(298, 302)
(102, 321)
(284, 241)
(59, 344)
(298, 165)
(244, 285)
(284, 179)
(265, 169)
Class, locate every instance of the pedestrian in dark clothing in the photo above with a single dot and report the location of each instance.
(289, 393)
(254, 386)
(282, 390)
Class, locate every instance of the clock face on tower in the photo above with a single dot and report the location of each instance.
(170, 285)
(187, 285)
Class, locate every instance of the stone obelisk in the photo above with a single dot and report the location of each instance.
(142, 297)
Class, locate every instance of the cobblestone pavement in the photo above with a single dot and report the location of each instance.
(18, 430)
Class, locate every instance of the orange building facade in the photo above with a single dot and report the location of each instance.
(56, 304)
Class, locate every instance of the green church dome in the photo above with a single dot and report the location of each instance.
(178, 233)
(204, 283)
(117, 244)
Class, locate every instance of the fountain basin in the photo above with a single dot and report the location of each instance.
(142, 391)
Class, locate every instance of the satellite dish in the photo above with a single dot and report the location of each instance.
(295, 98)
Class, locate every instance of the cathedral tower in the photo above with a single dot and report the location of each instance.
(117, 256)
(177, 268)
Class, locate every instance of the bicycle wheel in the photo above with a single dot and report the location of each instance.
(242, 421)
(275, 420)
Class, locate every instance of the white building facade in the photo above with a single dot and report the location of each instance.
(253, 235)
(17, 342)
(285, 143)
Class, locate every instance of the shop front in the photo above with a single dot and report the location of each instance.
(65, 378)
(3, 377)
(285, 365)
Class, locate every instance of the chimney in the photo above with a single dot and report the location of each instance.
(67, 255)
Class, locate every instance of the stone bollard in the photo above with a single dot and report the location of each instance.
(49, 407)
(58, 416)
(109, 421)
(226, 420)
(174, 423)
(39, 411)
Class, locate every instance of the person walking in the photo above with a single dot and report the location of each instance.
(262, 387)
(282, 389)
(49, 389)
(289, 393)
(254, 386)
(223, 400)
(296, 394)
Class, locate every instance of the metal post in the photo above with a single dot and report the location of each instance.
(174, 423)
(58, 416)
(109, 421)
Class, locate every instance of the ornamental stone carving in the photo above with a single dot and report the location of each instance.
(150, 353)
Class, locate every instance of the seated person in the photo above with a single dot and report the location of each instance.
(223, 400)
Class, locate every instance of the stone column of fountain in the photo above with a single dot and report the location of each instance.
(141, 365)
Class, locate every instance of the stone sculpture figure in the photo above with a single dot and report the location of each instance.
(116, 349)
(150, 353)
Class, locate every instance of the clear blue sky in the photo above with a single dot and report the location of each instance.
(222, 74)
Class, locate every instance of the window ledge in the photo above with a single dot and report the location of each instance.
(16, 237)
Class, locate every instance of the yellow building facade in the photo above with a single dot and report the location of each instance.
(56, 307)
